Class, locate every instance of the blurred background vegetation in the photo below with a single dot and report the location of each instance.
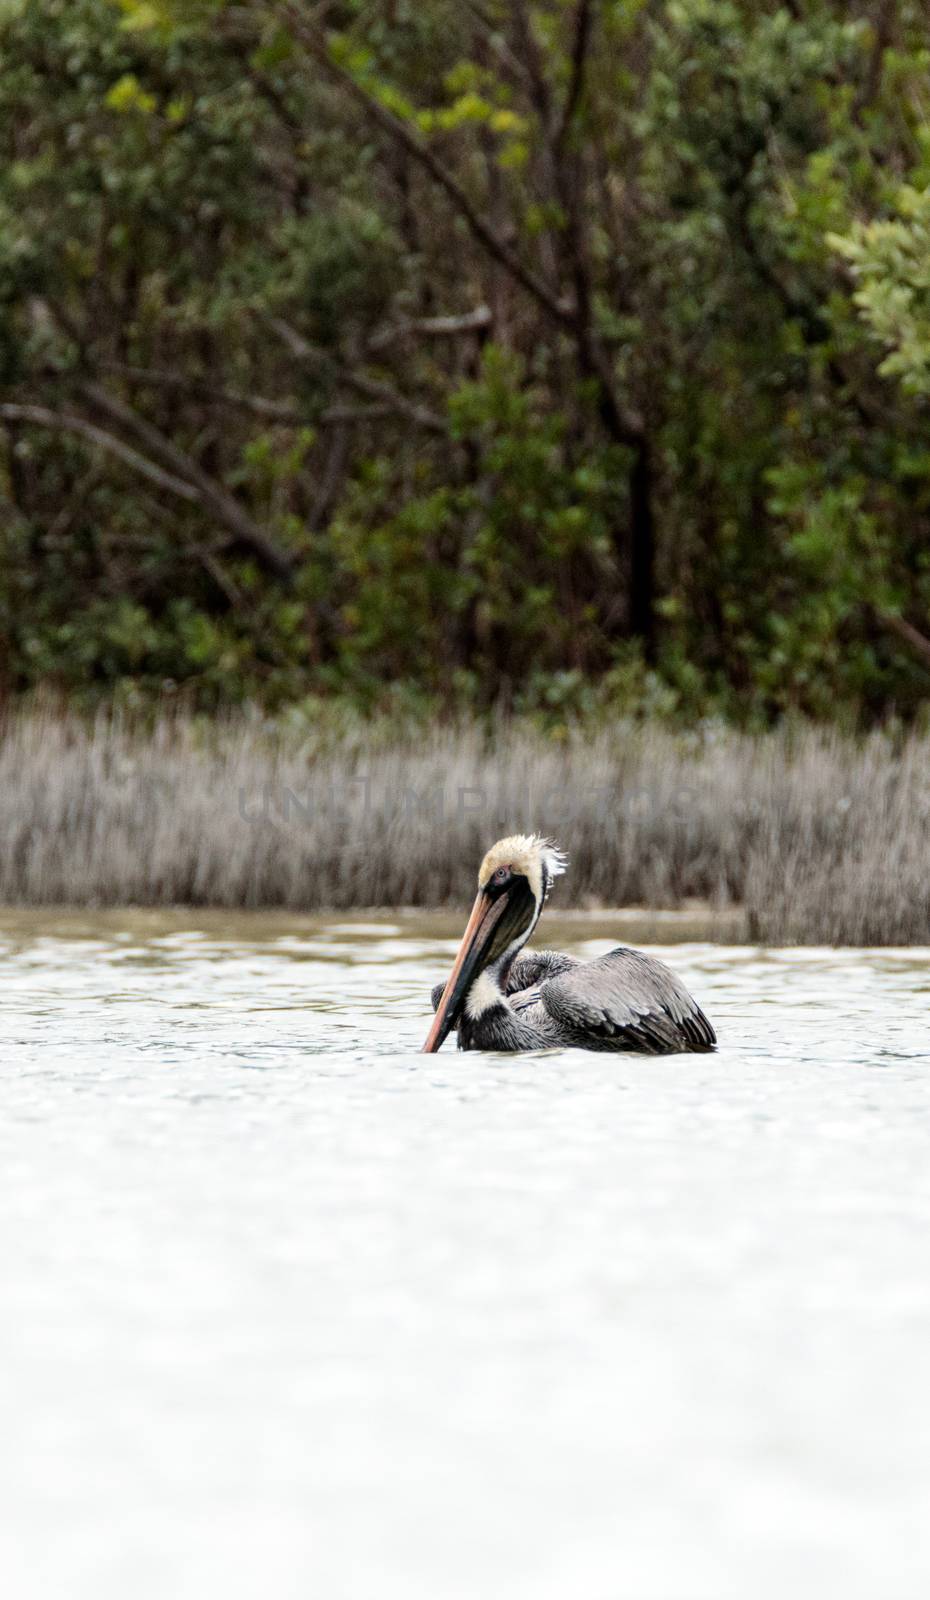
(552, 356)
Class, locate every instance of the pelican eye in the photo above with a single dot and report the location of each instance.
(501, 875)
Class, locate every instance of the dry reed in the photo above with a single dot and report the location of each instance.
(821, 838)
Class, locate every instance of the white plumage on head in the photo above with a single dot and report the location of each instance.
(526, 853)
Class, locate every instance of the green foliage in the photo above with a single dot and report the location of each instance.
(408, 360)
(890, 260)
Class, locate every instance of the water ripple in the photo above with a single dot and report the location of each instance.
(291, 1308)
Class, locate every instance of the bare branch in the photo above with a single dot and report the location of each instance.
(434, 327)
(497, 42)
(221, 578)
(535, 71)
(64, 422)
(378, 411)
(152, 377)
(907, 633)
(328, 487)
(584, 19)
(304, 351)
(63, 522)
(882, 33)
(287, 414)
(210, 494)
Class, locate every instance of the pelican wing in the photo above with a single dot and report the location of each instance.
(627, 1000)
(528, 970)
(535, 966)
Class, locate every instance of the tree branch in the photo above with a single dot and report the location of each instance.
(911, 636)
(280, 411)
(152, 377)
(378, 411)
(65, 422)
(210, 494)
(372, 387)
(584, 20)
(434, 327)
(497, 42)
(535, 71)
(565, 178)
(882, 31)
(314, 41)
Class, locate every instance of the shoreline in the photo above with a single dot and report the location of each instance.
(695, 923)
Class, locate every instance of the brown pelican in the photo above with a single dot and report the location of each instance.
(499, 999)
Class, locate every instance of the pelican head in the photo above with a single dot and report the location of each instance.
(513, 881)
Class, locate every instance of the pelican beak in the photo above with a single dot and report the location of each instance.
(474, 951)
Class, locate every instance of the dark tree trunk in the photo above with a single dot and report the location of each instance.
(642, 551)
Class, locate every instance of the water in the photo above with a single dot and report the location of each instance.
(289, 1309)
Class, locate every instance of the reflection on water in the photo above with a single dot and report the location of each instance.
(290, 1309)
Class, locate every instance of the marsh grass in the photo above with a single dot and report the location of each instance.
(821, 838)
